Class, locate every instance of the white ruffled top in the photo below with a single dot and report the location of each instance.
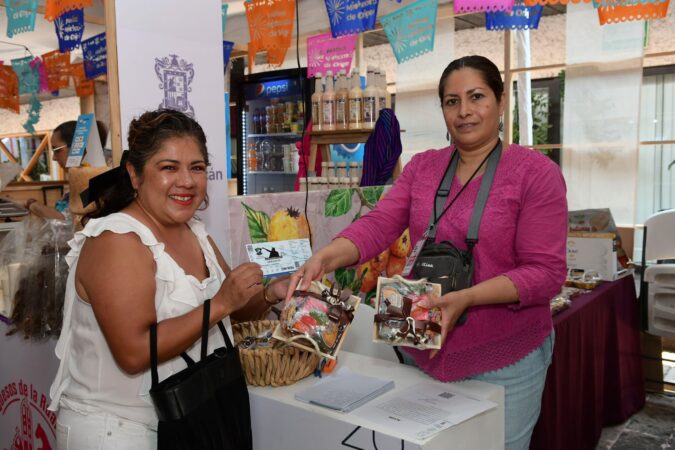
(88, 379)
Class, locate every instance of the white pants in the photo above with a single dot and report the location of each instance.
(75, 431)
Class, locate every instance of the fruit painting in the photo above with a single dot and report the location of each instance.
(282, 216)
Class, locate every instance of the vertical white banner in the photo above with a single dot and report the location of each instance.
(601, 115)
(170, 55)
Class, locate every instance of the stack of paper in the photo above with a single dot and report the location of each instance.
(344, 390)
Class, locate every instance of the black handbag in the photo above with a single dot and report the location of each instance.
(204, 406)
(442, 262)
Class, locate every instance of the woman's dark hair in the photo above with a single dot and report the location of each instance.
(147, 134)
(66, 131)
(487, 69)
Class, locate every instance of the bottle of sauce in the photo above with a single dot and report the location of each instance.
(328, 104)
(355, 100)
(342, 102)
(316, 102)
(370, 96)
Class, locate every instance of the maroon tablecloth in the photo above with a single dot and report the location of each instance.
(595, 378)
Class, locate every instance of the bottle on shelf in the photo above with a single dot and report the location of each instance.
(316, 102)
(380, 84)
(262, 121)
(331, 169)
(302, 185)
(383, 86)
(328, 104)
(370, 96)
(256, 121)
(355, 100)
(354, 169)
(252, 158)
(269, 119)
(342, 102)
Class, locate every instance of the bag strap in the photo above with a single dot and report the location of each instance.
(444, 190)
(205, 340)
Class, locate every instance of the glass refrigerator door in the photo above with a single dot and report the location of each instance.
(272, 122)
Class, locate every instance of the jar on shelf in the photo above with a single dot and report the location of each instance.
(341, 169)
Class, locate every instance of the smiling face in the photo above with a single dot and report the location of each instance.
(470, 109)
(173, 183)
(60, 149)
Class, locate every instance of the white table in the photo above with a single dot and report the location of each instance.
(282, 423)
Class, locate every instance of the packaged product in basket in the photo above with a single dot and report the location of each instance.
(317, 319)
(399, 320)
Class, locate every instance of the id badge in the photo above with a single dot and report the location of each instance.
(410, 263)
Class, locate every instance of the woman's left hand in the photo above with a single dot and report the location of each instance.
(452, 305)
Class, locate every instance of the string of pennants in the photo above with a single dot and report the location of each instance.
(410, 29)
(51, 71)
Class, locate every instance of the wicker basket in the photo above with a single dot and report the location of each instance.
(279, 366)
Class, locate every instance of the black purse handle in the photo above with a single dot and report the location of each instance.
(205, 341)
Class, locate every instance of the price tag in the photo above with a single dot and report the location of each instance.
(279, 257)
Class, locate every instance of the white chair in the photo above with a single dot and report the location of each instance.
(360, 337)
(657, 289)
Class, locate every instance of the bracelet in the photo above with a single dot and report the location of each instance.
(267, 300)
(29, 202)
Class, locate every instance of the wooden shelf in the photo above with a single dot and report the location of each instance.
(340, 136)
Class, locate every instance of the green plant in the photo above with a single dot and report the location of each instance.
(540, 125)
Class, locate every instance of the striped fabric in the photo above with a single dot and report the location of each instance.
(382, 150)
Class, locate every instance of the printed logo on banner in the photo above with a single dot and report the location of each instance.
(69, 28)
(325, 53)
(23, 404)
(411, 29)
(521, 18)
(95, 56)
(175, 75)
(351, 16)
(20, 16)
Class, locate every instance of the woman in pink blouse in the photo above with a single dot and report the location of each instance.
(519, 260)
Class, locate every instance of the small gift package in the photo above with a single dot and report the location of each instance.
(317, 320)
(398, 318)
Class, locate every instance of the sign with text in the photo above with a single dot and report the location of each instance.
(69, 28)
(27, 372)
(351, 16)
(56, 8)
(326, 53)
(83, 87)
(29, 78)
(57, 69)
(411, 29)
(270, 25)
(86, 144)
(520, 18)
(185, 48)
(20, 16)
(95, 56)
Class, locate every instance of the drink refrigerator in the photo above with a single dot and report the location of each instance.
(271, 116)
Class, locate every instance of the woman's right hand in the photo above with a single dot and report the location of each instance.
(313, 269)
(241, 284)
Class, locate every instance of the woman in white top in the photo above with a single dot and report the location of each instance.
(141, 259)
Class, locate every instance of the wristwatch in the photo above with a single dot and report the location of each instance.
(29, 202)
(267, 300)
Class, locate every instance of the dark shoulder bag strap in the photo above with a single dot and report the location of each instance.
(481, 199)
(442, 194)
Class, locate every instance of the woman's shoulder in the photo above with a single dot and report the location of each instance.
(119, 223)
(528, 159)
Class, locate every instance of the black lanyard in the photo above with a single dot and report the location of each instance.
(453, 165)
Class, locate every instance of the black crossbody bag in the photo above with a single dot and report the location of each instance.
(442, 262)
(204, 406)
